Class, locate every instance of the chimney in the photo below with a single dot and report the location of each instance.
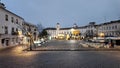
(2, 5)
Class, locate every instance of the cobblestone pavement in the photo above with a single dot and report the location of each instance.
(70, 45)
(15, 58)
(60, 44)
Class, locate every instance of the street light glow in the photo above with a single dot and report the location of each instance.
(101, 34)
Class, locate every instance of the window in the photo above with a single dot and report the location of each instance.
(109, 28)
(103, 28)
(115, 26)
(112, 27)
(29, 29)
(16, 29)
(3, 41)
(6, 17)
(12, 31)
(12, 19)
(6, 30)
(16, 21)
(34, 29)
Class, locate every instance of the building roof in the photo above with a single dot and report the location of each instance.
(111, 22)
(65, 28)
(4, 8)
(95, 25)
(50, 28)
(30, 24)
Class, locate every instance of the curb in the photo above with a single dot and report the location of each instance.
(82, 49)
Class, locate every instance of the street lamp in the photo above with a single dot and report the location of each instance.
(102, 34)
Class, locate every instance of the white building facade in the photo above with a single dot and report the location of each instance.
(32, 29)
(82, 30)
(54, 32)
(12, 28)
(9, 23)
(110, 29)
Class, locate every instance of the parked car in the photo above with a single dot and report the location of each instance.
(37, 43)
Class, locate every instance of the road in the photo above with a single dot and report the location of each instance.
(15, 58)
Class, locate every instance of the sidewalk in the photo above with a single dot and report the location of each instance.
(20, 47)
(6, 47)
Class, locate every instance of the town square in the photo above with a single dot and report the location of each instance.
(59, 34)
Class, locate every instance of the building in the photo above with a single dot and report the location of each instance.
(91, 30)
(83, 30)
(58, 31)
(13, 28)
(32, 29)
(9, 23)
(110, 29)
(54, 32)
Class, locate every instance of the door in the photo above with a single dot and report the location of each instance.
(7, 42)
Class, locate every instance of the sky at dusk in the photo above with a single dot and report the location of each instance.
(65, 12)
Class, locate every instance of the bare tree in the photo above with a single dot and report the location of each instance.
(40, 27)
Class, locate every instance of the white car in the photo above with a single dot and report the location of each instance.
(38, 43)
